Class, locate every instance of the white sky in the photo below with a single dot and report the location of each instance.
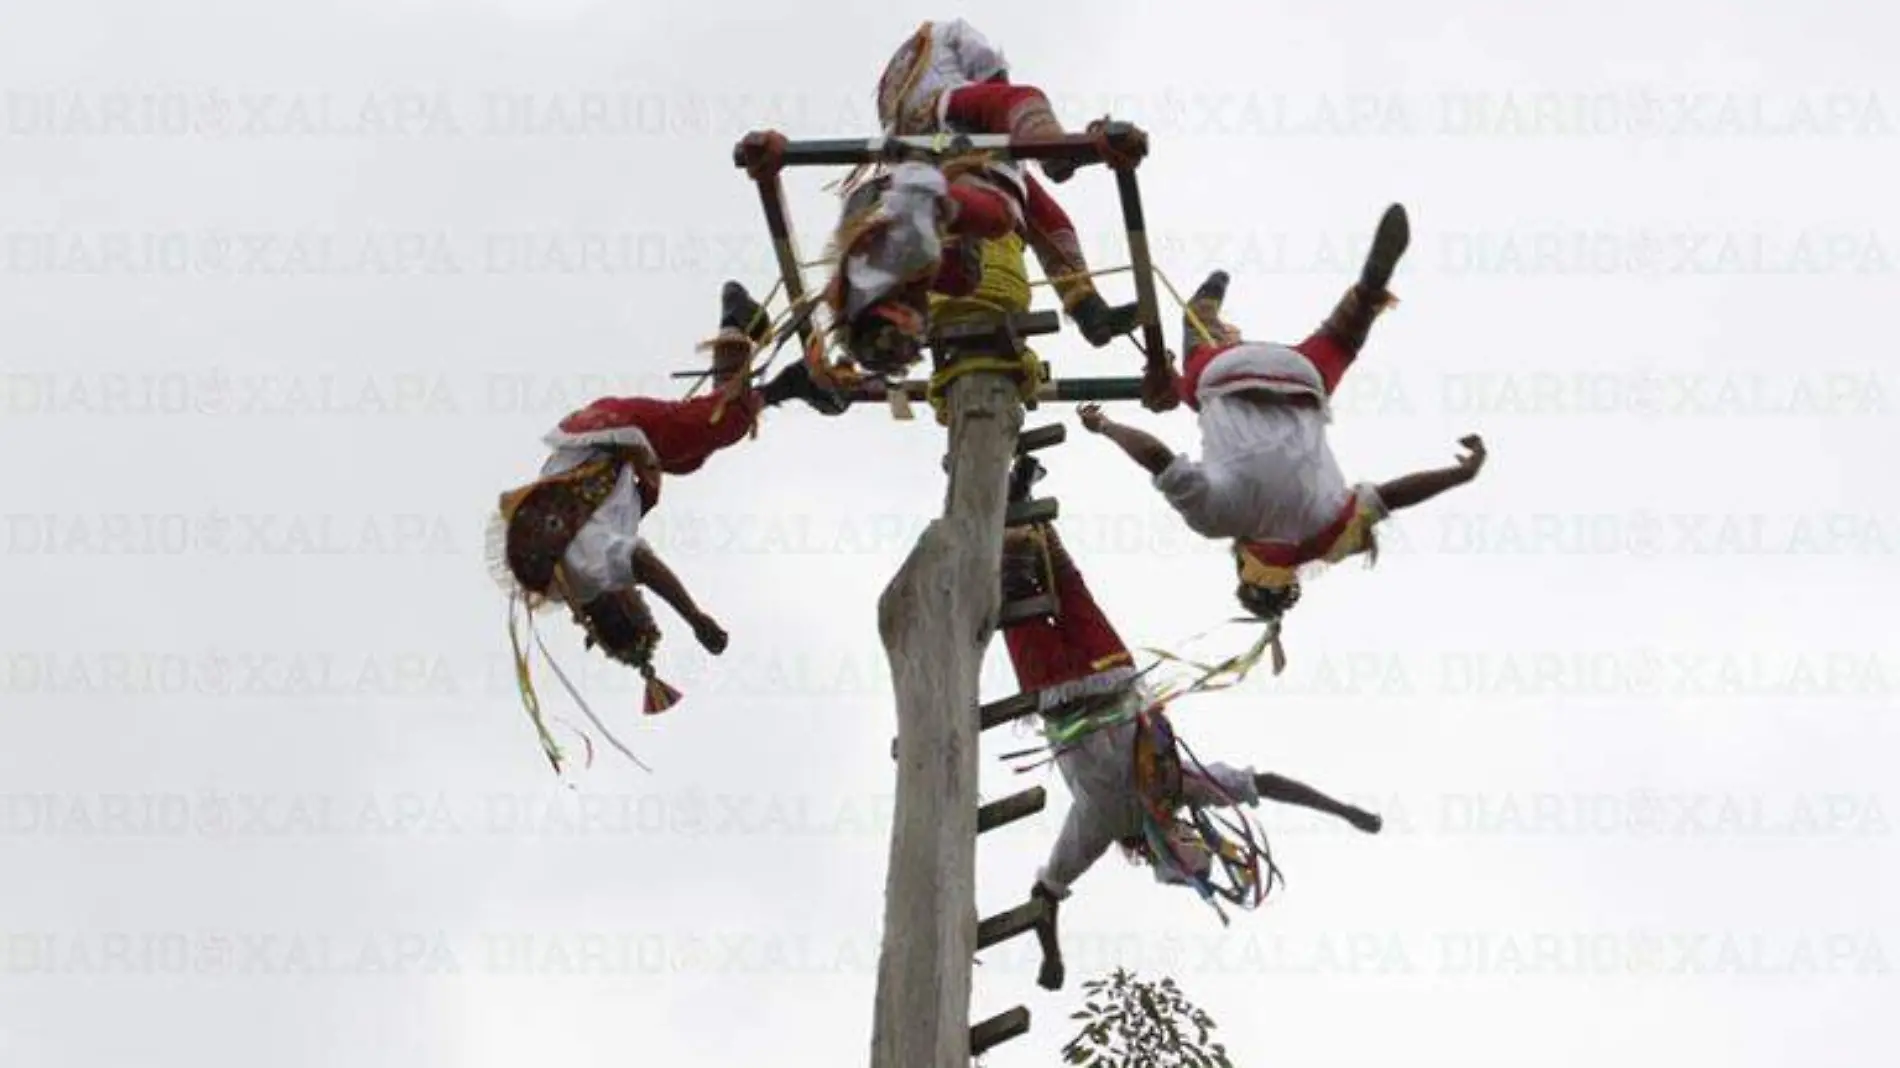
(1626, 702)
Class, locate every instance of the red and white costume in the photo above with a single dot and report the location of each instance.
(1079, 655)
(913, 96)
(1267, 476)
(682, 434)
(940, 80)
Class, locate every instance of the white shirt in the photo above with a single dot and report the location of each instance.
(600, 558)
(1266, 471)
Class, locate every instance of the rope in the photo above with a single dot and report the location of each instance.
(780, 330)
(1025, 369)
(1028, 370)
(1185, 306)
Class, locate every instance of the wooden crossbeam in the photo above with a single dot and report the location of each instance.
(1009, 709)
(1025, 513)
(767, 149)
(1061, 390)
(1041, 438)
(1007, 925)
(998, 1029)
(1007, 810)
(1016, 612)
(1001, 332)
(1058, 391)
(1085, 390)
(763, 154)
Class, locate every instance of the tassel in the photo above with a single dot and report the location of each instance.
(659, 696)
(525, 683)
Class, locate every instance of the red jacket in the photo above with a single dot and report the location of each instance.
(1078, 643)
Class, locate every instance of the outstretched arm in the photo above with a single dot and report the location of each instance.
(1141, 447)
(653, 573)
(1422, 486)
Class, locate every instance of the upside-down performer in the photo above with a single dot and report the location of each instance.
(572, 538)
(907, 233)
(947, 78)
(1118, 753)
(1266, 477)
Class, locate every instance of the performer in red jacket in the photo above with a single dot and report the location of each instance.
(1128, 783)
(947, 78)
(571, 537)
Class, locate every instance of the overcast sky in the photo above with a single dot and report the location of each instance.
(293, 289)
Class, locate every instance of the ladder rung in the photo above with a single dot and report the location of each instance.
(997, 1030)
(1007, 925)
(1023, 324)
(997, 713)
(1037, 510)
(1009, 809)
(1015, 612)
(1041, 438)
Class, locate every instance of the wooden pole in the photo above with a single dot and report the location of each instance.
(936, 618)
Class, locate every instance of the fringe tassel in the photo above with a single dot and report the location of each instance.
(659, 695)
(525, 683)
(531, 701)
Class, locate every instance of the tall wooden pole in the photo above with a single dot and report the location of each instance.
(936, 618)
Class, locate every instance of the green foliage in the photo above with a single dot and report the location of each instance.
(1129, 1022)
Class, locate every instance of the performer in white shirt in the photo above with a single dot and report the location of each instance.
(1266, 477)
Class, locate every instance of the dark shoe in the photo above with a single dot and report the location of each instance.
(795, 383)
(1101, 324)
(1205, 304)
(1389, 243)
(740, 313)
(1351, 319)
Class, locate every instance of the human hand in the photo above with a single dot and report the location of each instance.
(710, 634)
(1092, 418)
(1160, 390)
(1473, 460)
